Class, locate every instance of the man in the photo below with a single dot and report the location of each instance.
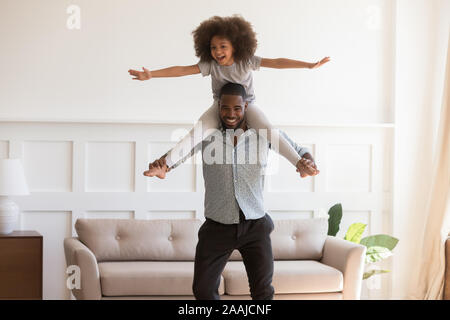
(234, 208)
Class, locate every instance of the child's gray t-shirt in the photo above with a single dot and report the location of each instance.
(238, 72)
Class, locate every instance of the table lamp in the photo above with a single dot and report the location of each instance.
(12, 183)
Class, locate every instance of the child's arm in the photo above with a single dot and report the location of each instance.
(177, 71)
(283, 63)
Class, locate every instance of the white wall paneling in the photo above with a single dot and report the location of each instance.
(4, 149)
(48, 165)
(109, 166)
(94, 170)
(54, 227)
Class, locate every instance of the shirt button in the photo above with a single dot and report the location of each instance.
(170, 238)
(294, 237)
(117, 238)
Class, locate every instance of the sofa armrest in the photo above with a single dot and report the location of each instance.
(349, 258)
(78, 254)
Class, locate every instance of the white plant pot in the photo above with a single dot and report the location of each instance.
(9, 214)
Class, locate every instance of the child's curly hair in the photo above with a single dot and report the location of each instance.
(237, 30)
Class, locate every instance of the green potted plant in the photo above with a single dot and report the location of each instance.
(379, 246)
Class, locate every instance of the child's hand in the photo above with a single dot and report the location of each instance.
(320, 63)
(141, 75)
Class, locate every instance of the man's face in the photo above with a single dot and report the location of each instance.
(232, 111)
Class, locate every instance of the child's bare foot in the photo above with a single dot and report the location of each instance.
(306, 168)
(157, 168)
(155, 171)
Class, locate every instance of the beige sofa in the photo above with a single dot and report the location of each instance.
(154, 259)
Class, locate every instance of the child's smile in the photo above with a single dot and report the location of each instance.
(222, 50)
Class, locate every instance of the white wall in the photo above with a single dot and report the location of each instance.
(50, 71)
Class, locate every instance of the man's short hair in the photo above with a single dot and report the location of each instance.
(233, 89)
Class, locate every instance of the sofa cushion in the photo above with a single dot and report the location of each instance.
(299, 238)
(296, 239)
(304, 276)
(119, 239)
(137, 278)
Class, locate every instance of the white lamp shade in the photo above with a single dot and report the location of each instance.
(12, 178)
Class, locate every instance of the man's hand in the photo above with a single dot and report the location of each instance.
(307, 167)
(157, 168)
(320, 63)
(140, 75)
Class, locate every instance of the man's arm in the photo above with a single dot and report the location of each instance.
(194, 150)
(302, 152)
(307, 165)
(159, 167)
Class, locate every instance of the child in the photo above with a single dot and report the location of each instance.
(226, 47)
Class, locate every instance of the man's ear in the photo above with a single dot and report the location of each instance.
(246, 105)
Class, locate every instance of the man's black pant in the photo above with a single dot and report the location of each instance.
(216, 242)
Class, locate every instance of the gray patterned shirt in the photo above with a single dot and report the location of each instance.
(234, 175)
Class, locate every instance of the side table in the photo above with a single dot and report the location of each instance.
(21, 265)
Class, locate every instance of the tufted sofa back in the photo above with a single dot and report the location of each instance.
(166, 240)
(296, 239)
(130, 239)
